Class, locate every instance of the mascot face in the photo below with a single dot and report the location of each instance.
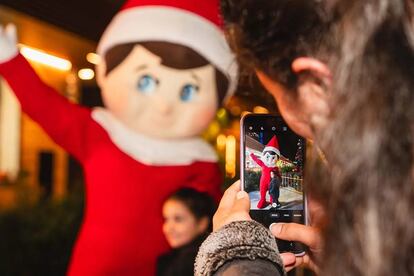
(270, 158)
(159, 101)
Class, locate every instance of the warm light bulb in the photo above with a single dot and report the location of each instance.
(221, 142)
(93, 58)
(45, 58)
(260, 110)
(86, 74)
(231, 156)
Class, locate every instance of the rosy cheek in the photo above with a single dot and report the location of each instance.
(205, 115)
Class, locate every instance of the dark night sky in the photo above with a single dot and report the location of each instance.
(87, 18)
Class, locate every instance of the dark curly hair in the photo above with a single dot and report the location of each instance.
(269, 35)
(369, 138)
(200, 204)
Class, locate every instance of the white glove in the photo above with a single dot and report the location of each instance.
(8, 43)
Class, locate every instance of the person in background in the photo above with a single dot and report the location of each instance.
(274, 189)
(187, 217)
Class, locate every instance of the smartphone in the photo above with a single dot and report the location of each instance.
(272, 166)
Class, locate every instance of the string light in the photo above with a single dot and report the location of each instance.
(231, 156)
(42, 57)
(93, 58)
(86, 74)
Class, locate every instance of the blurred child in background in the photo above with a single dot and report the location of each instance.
(187, 222)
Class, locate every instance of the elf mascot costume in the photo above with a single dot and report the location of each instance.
(165, 68)
(267, 162)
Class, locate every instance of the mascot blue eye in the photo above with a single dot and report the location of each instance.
(147, 84)
(188, 92)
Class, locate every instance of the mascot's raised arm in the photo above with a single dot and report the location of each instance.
(267, 162)
(165, 69)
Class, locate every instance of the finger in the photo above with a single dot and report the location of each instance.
(1, 29)
(297, 232)
(289, 259)
(235, 187)
(289, 268)
(224, 213)
(297, 262)
(306, 261)
(242, 202)
(240, 209)
(229, 196)
(11, 33)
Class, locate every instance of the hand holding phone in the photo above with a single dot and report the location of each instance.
(272, 163)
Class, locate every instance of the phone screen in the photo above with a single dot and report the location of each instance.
(272, 171)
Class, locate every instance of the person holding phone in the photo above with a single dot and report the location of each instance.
(368, 49)
(292, 34)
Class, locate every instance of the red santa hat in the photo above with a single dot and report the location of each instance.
(195, 24)
(273, 145)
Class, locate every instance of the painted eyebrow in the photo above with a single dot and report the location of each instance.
(195, 77)
(142, 67)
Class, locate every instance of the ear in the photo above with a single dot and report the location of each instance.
(312, 65)
(101, 72)
(203, 224)
(313, 91)
(288, 105)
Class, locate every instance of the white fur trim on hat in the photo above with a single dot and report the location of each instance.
(159, 23)
(268, 148)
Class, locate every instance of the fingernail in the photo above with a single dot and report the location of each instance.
(241, 195)
(275, 228)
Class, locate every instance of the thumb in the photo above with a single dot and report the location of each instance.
(242, 203)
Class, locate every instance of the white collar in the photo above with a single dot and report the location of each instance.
(153, 151)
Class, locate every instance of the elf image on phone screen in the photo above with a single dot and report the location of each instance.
(272, 165)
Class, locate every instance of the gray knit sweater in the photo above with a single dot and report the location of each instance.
(239, 248)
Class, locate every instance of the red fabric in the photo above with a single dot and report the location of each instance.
(209, 9)
(264, 180)
(273, 142)
(121, 232)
